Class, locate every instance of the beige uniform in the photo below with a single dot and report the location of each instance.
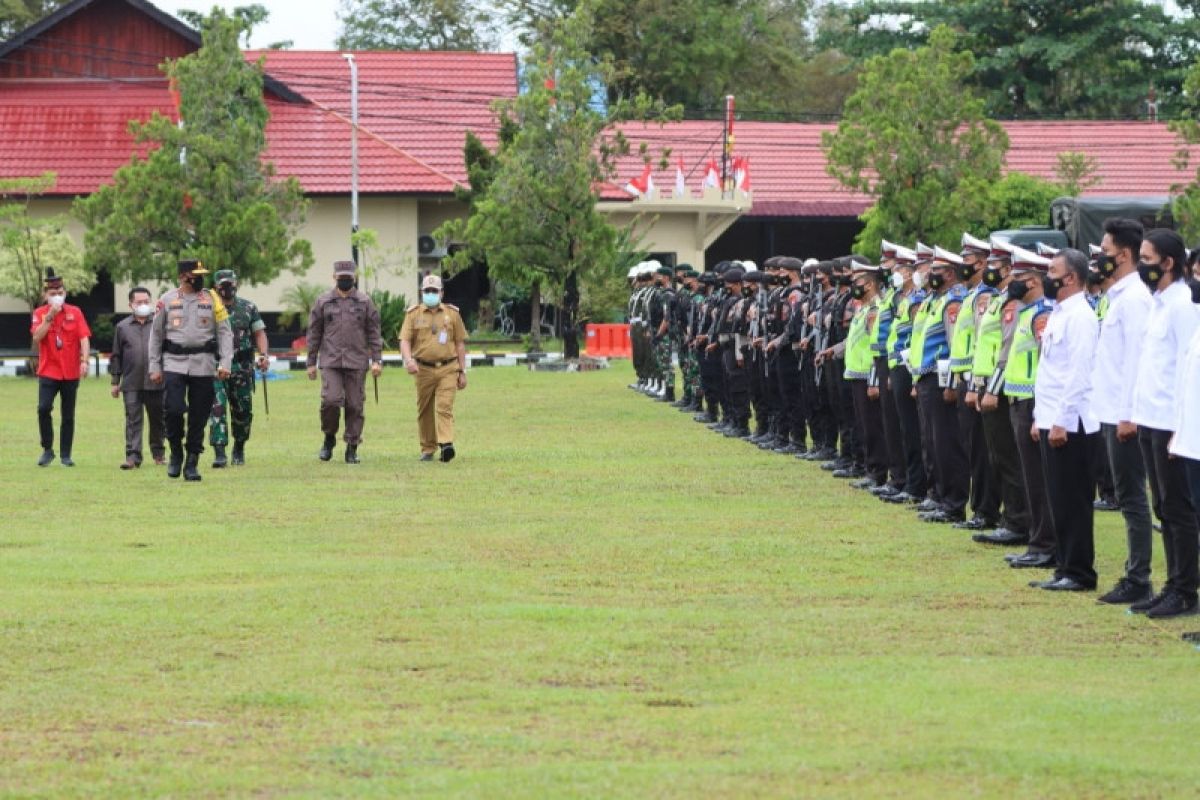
(434, 335)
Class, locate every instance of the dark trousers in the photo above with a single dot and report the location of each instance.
(343, 388)
(892, 444)
(712, 379)
(821, 419)
(755, 362)
(915, 478)
(48, 389)
(933, 488)
(772, 395)
(1173, 505)
(1129, 485)
(951, 469)
(1102, 474)
(737, 385)
(140, 406)
(851, 442)
(793, 413)
(869, 419)
(1001, 447)
(192, 395)
(1069, 487)
(1041, 518)
(985, 498)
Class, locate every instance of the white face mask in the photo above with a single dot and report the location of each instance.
(57, 300)
(897, 280)
(142, 310)
(919, 279)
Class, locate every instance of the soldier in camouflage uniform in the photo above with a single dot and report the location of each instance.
(234, 395)
(662, 323)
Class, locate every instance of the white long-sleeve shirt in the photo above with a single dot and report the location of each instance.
(1186, 441)
(1119, 348)
(1063, 391)
(1169, 328)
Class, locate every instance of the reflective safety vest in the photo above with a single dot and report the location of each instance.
(1020, 373)
(886, 305)
(929, 342)
(900, 335)
(859, 358)
(962, 340)
(990, 338)
(1102, 306)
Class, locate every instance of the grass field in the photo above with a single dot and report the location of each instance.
(599, 598)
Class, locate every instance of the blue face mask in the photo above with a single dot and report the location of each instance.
(431, 299)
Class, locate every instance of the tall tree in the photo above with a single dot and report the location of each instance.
(203, 188)
(29, 244)
(915, 138)
(1186, 202)
(415, 25)
(17, 15)
(536, 223)
(1039, 59)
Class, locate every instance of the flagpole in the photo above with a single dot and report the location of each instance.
(727, 145)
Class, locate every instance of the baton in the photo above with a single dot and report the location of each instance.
(266, 398)
(375, 380)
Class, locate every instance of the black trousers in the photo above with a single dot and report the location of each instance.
(192, 395)
(712, 379)
(1069, 488)
(849, 446)
(1172, 500)
(1001, 448)
(793, 411)
(869, 418)
(821, 419)
(1041, 518)
(892, 442)
(737, 385)
(933, 488)
(48, 389)
(1102, 472)
(985, 499)
(755, 362)
(951, 469)
(915, 478)
(771, 391)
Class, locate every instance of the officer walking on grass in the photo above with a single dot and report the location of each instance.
(433, 342)
(235, 394)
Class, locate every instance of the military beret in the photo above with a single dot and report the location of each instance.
(709, 279)
(754, 276)
(789, 263)
(192, 265)
(722, 266)
(734, 275)
(683, 266)
(690, 273)
(665, 271)
(225, 276)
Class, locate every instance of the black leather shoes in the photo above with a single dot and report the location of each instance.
(1126, 593)
(352, 454)
(1001, 536)
(927, 505)
(66, 461)
(190, 471)
(326, 451)
(1172, 604)
(1032, 561)
(447, 452)
(1062, 584)
(1105, 504)
(975, 523)
(46, 458)
(900, 498)
(941, 517)
(175, 465)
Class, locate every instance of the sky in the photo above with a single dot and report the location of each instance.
(313, 28)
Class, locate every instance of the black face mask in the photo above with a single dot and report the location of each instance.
(858, 292)
(992, 277)
(1105, 266)
(1051, 287)
(936, 281)
(1095, 278)
(965, 272)
(227, 292)
(1017, 290)
(197, 283)
(345, 284)
(1150, 274)
(748, 291)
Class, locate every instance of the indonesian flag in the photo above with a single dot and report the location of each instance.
(712, 174)
(643, 185)
(741, 174)
(680, 185)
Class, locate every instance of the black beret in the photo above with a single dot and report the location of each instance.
(788, 262)
(722, 266)
(734, 275)
(754, 276)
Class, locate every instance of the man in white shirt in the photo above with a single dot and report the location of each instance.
(1113, 379)
(1172, 321)
(1064, 424)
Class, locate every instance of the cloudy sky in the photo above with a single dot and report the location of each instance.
(313, 28)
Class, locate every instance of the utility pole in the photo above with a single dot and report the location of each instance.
(353, 153)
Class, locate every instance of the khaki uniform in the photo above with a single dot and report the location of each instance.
(344, 337)
(189, 341)
(434, 335)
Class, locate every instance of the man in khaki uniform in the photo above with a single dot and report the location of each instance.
(433, 342)
(190, 344)
(344, 335)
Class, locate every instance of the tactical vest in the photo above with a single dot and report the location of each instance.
(962, 341)
(991, 338)
(858, 346)
(929, 342)
(1020, 373)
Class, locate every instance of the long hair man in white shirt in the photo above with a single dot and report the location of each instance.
(1172, 321)
(1063, 422)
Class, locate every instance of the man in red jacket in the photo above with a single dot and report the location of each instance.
(62, 336)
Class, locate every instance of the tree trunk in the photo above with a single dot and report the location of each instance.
(535, 317)
(570, 305)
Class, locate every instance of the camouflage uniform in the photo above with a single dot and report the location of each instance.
(236, 393)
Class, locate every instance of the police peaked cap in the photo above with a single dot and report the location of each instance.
(945, 258)
(1024, 260)
(192, 265)
(1000, 250)
(974, 246)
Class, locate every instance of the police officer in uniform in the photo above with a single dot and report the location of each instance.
(433, 341)
(344, 337)
(190, 344)
(235, 395)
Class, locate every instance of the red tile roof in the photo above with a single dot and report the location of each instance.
(787, 166)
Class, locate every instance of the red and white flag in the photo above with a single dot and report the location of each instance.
(712, 174)
(680, 185)
(741, 174)
(643, 185)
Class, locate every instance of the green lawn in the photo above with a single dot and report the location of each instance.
(599, 598)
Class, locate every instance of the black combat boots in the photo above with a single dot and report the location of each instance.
(352, 454)
(326, 451)
(190, 472)
(175, 465)
(239, 454)
(219, 460)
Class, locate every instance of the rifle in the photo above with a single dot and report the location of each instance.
(819, 334)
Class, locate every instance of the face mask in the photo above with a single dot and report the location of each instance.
(1051, 286)
(1017, 290)
(1105, 266)
(1150, 274)
(1094, 278)
(197, 282)
(57, 300)
(227, 292)
(919, 280)
(992, 277)
(345, 284)
(858, 292)
(845, 280)
(965, 272)
(936, 281)
(747, 291)
(897, 280)
(142, 310)
(430, 299)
